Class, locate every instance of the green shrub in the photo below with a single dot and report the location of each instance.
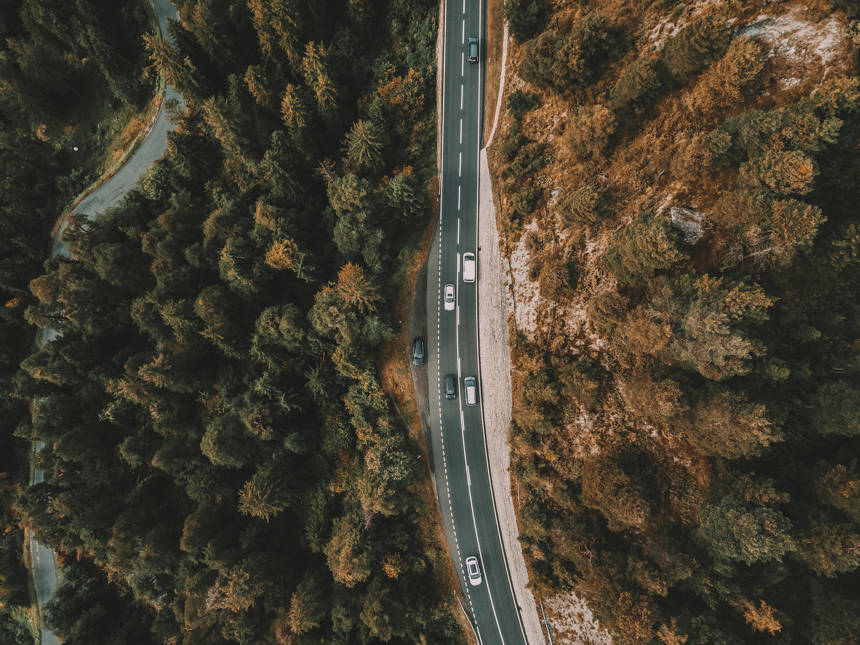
(637, 88)
(639, 250)
(526, 17)
(563, 63)
(520, 102)
(523, 203)
(695, 47)
(530, 157)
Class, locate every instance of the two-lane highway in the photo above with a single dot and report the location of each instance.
(460, 457)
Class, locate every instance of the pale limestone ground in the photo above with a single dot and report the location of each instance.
(573, 622)
(496, 396)
(809, 49)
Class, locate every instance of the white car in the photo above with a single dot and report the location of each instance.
(471, 390)
(469, 267)
(449, 297)
(474, 571)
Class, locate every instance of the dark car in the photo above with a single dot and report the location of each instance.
(418, 352)
(450, 388)
(473, 50)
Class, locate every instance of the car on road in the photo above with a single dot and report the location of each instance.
(473, 50)
(450, 297)
(469, 267)
(474, 571)
(450, 388)
(418, 352)
(471, 390)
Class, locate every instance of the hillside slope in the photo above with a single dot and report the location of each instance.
(677, 185)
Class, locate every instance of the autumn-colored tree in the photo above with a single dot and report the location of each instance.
(762, 618)
(709, 318)
(347, 552)
(295, 112)
(728, 81)
(839, 487)
(356, 288)
(306, 606)
(317, 71)
(266, 494)
(607, 488)
(829, 548)
(782, 171)
(278, 24)
(726, 424)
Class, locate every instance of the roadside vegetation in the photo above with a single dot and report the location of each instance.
(687, 403)
(222, 465)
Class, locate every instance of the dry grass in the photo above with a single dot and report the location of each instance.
(493, 52)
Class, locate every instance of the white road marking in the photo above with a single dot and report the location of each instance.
(458, 231)
(468, 477)
(463, 64)
(464, 32)
(458, 197)
(464, 6)
(461, 131)
(460, 172)
(461, 96)
(458, 315)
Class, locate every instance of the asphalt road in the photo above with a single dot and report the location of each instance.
(108, 194)
(459, 450)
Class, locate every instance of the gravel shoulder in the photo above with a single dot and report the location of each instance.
(495, 357)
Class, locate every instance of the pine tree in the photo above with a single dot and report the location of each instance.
(364, 145)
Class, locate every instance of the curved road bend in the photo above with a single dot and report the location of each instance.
(107, 195)
(461, 469)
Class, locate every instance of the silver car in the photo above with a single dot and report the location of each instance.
(450, 297)
(474, 571)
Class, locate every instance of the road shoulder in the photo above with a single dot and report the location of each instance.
(495, 359)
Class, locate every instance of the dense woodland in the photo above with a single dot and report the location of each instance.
(222, 465)
(690, 464)
(64, 66)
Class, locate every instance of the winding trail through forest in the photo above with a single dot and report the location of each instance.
(109, 194)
